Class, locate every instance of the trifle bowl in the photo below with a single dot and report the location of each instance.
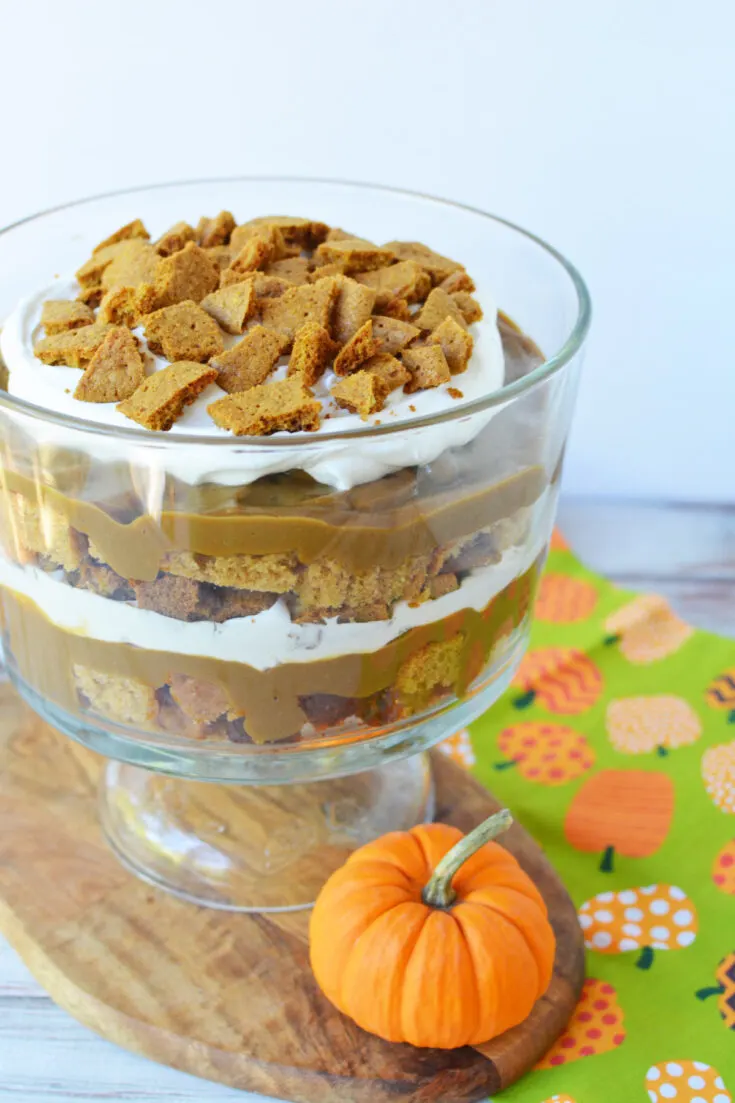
(274, 502)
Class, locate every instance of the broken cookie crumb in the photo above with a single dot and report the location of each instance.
(74, 347)
(58, 315)
(162, 397)
(115, 371)
(428, 368)
(361, 393)
(358, 348)
(250, 361)
(456, 343)
(269, 408)
(313, 349)
(231, 306)
(183, 332)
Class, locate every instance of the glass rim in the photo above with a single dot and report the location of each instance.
(549, 366)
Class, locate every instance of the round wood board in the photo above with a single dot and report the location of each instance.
(228, 997)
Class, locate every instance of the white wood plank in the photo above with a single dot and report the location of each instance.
(45, 1056)
(625, 539)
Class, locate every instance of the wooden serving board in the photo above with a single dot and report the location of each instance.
(228, 997)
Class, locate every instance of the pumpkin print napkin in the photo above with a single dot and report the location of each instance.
(615, 747)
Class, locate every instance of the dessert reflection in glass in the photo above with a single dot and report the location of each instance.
(274, 500)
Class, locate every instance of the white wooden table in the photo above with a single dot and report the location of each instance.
(684, 552)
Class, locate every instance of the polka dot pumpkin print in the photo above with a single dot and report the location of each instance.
(641, 920)
(723, 870)
(647, 630)
(640, 725)
(458, 747)
(686, 1082)
(560, 679)
(595, 1027)
(718, 774)
(547, 754)
(564, 600)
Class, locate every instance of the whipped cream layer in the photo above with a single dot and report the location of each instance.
(214, 455)
(263, 641)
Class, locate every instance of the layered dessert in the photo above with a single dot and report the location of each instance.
(251, 489)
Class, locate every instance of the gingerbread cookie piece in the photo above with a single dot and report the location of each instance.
(232, 306)
(160, 400)
(115, 371)
(428, 367)
(74, 347)
(313, 349)
(250, 361)
(456, 344)
(183, 332)
(59, 315)
(361, 393)
(272, 407)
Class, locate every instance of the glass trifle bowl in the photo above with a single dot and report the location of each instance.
(263, 632)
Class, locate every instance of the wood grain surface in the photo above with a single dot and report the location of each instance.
(686, 552)
(226, 997)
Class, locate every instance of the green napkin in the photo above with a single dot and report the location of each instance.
(615, 748)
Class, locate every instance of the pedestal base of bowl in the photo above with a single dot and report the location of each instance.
(228, 997)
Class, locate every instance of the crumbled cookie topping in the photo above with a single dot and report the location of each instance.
(287, 405)
(381, 317)
(162, 397)
(115, 371)
(58, 315)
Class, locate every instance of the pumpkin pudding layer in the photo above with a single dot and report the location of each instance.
(191, 545)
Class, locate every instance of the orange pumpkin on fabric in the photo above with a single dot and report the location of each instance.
(562, 679)
(597, 1026)
(564, 600)
(433, 938)
(628, 811)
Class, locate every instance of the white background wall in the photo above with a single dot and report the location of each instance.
(606, 127)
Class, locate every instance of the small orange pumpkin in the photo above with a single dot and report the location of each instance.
(433, 938)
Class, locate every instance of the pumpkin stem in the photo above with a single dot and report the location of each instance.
(731, 717)
(645, 961)
(505, 764)
(607, 863)
(705, 993)
(439, 893)
(661, 751)
(525, 699)
(610, 640)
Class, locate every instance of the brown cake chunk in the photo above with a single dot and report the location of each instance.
(125, 306)
(392, 334)
(91, 272)
(276, 573)
(435, 264)
(291, 310)
(215, 231)
(306, 233)
(175, 239)
(58, 315)
(202, 701)
(396, 308)
(183, 332)
(313, 349)
(459, 280)
(437, 307)
(287, 405)
(162, 397)
(358, 348)
(471, 309)
(388, 369)
(362, 393)
(125, 233)
(74, 347)
(231, 306)
(294, 269)
(356, 254)
(405, 280)
(220, 256)
(91, 296)
(250, 361)
(186, 275)
(428, 367)
(115, 370)
(353, 306)
(255, 254)
(135, 262)
(456, 343)
(125, 700)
